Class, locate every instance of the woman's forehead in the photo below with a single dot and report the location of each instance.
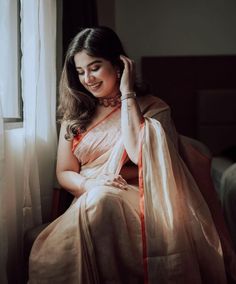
(82, 59)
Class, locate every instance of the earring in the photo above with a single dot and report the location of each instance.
(118, 74)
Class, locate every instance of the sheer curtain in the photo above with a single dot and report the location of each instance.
(3, 237)
(28, 154)
(38, 33)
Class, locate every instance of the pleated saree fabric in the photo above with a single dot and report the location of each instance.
(160, 231)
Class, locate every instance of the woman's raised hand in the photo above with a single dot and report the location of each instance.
(128, 75)
(107, 180)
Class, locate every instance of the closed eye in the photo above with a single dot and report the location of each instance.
(80, 73)
(95, 68)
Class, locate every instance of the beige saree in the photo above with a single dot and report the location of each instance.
(158, 232)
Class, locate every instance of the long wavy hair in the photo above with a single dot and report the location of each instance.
(76, 104)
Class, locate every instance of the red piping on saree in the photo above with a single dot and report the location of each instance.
(141, 191)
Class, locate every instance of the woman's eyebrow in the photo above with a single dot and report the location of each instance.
(91, 63)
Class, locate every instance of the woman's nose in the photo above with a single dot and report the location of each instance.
(88, 78)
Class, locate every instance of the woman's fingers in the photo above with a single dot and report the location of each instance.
(121, 180)
(114, 180)
(128, 62)
(127, 79)
(119, 185)
(116, 184)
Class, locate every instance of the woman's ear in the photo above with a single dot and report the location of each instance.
(118, 74)
(119, 68)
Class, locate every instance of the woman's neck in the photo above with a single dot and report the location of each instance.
(110, 101)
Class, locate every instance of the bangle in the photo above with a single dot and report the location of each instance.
(128, 96)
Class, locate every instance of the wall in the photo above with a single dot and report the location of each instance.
(164, 27)
(106, 13)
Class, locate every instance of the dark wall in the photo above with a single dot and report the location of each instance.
(201, 91)
(76, 15)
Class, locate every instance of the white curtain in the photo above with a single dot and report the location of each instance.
(3, 237)
(28, 154)
(38, 37)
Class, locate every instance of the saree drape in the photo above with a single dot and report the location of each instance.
(180, 236)
(158, 232)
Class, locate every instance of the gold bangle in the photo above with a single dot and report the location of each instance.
(128, 96)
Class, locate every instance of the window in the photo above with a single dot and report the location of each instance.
(10, 83)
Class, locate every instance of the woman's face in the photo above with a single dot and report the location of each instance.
(97, 75)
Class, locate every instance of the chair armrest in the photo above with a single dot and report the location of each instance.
(196, 144)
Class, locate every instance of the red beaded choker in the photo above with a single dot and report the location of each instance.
(110, 101)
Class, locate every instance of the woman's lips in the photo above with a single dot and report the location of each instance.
(95, 86)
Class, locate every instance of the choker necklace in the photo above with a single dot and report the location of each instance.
(110, 101)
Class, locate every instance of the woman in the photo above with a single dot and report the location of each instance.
(137, 215)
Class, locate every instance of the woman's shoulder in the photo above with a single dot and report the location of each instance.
(151, 104)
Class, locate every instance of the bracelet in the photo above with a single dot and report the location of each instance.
(128, 95)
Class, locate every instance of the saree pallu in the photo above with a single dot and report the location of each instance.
(158, 232)
(182, 245)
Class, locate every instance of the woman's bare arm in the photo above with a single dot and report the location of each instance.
(131, 116)
(67, 166)
(131, 119)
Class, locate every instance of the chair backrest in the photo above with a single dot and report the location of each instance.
(199, 165)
